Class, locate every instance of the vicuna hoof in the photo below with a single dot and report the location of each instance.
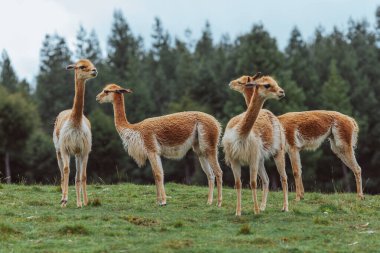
(284, 209)
(63, 203)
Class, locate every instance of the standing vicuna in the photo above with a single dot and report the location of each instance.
(255, 135)
(308, 130)
(72, 135)
(170, 136)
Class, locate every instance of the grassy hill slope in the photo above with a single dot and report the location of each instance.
(125, 218)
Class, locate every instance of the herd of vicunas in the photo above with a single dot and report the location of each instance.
(249, 138)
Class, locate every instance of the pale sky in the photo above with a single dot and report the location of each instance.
(24, 23)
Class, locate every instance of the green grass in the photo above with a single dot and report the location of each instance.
(125, 218)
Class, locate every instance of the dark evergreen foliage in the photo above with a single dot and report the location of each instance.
(335, 71)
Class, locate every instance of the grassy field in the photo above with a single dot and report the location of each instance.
(125, 218)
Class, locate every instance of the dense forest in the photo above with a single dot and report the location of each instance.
(338, 70)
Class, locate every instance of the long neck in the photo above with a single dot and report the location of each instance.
(119, 112)
(248, 93)
(255, 105)
(77, 111)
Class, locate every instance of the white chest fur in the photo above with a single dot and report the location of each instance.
(75, 140)
(134, 145)
(243, 150)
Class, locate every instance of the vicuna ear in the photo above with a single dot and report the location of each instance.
(124, 91)
(257, 75)
(71, 66)
(251, 85)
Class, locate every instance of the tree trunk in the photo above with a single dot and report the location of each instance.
(346, 178)
(7, 168)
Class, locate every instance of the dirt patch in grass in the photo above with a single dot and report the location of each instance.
(245, 229)
(141, 221)
(7, 230)
(74, 230)
(178, 224)
(178, 244)
(95, 202)
(260, 241)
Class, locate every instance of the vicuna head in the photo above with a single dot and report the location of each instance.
(84, 69)
(109, 92)
(266, 86)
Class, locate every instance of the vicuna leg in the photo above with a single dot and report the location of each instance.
(210, 176)
(347, 156)
(84, 179)
(158, 173)
(78, 179)
(265, 181)
(279, 159)
(236, 170)
(253, 170)
(213, 161)
(60, 165)
(295, 160)
(66, 173)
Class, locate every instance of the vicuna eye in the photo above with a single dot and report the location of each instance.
(267, 86)
(106, 92)
(82, 67)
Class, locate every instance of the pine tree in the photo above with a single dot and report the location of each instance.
(123, 47)
(55, 85)
(335, 92)
(298, 61)
(87, 46)
(160, 62)
(8, 76)
(204, 60)
(124, 67)
(257, 51)
(378, 22)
